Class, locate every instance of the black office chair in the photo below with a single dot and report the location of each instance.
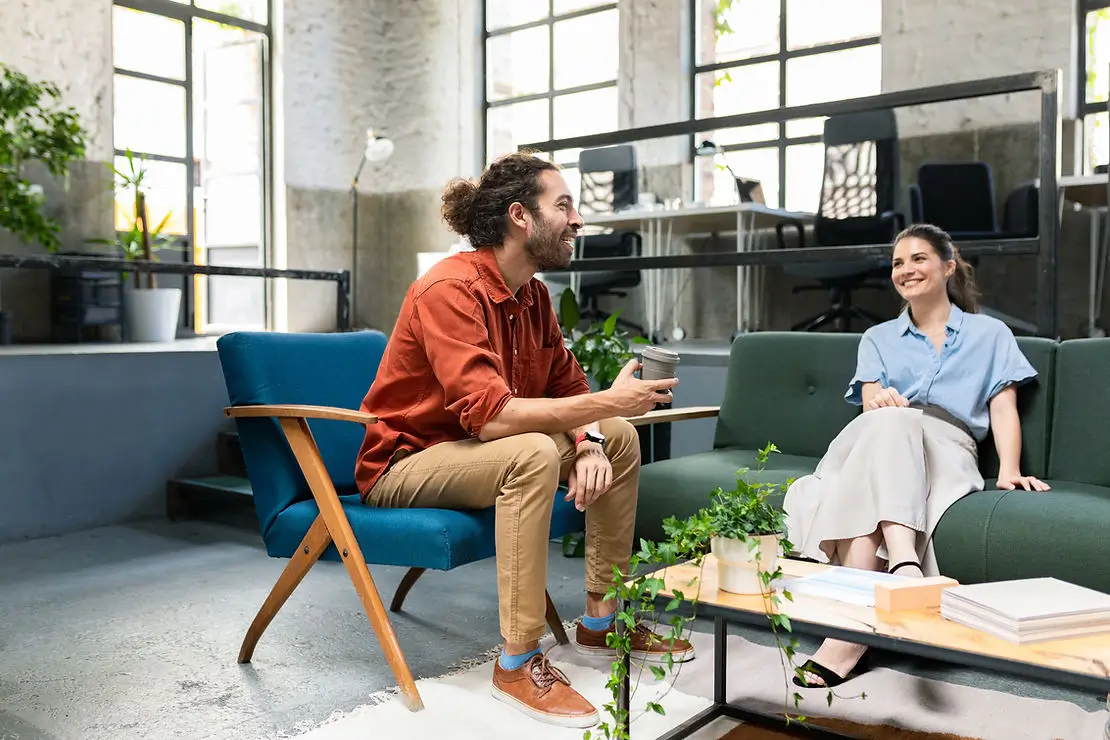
(857, 207)
(610, 182)
(610, 179)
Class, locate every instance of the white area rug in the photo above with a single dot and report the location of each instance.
(460, 706)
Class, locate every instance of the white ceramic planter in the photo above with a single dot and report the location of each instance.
(151, 314)
(737, 569)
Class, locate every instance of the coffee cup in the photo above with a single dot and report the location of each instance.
(658, 363)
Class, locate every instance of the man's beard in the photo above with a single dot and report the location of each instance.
(545, 248)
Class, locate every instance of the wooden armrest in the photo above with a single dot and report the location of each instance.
(668, 415)
(301, 412)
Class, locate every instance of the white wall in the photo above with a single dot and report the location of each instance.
(958, 40)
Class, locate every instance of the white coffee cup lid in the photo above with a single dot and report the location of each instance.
(660, 354)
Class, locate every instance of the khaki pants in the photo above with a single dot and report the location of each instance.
(519, 476)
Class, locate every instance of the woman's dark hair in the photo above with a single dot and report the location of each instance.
(962, 289)
(479, 210)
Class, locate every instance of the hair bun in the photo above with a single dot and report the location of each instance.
(458, 205)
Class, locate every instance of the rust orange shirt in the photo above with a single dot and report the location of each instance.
(463, 345)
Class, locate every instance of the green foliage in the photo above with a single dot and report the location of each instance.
(742, 513)
(602, 350)
(130, 241)
(33, 127)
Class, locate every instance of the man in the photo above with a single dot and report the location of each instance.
(480, 404)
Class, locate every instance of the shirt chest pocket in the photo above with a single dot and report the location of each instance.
(537, 368)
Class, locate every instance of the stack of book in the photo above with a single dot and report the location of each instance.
(1028, 610)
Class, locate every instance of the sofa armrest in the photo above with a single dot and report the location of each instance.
(662, 416)
(301, 412)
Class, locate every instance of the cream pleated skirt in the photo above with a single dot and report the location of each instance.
(904, 465)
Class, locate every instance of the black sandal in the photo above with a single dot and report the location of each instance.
(830, 678)
(904, 563)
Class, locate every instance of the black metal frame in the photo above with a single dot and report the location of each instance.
(342, 278)
(552, 92)
(782, 141)
(186, 13)
(1045, 245)
(1083, 107)
(723, 616)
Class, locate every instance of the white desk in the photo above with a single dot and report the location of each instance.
(660, 228)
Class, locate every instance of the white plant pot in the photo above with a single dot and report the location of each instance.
(151, 314)
(737, 568)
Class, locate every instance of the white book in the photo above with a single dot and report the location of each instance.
(1031, 599)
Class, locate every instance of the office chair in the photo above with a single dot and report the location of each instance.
(857, 207)
(610, 183)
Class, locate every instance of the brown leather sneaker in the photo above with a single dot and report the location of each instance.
(646, 645)
(543, 692)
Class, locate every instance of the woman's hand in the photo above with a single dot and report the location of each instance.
(886, 398)
(1012, 481)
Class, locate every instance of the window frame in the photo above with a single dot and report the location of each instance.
(781, 57)
(1084, 108)
(552, 92)
(187, 12)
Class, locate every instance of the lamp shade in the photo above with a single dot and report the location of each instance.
(378, 148)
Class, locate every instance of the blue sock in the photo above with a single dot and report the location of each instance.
(597, 623)
(512, 662)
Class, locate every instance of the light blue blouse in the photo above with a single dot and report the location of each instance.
(980, 357)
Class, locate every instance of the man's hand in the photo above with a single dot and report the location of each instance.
(637, 397)
(1011, 481)
(887, 398)
(590, 476)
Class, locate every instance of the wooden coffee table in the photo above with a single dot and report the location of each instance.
(1081, 662)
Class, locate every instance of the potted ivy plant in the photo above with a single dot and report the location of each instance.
(150, 313)
(743, 520)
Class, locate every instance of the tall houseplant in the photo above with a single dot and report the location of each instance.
(743, 524)
(34, 127)
(150, 313)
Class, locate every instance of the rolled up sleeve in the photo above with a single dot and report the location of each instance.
(869, 368)
(451, 326)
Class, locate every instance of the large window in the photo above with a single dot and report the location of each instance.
(753, 56)
(1094, 81)
(551, 73)
(190, 102)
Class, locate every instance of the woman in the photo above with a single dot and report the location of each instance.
(931, 382)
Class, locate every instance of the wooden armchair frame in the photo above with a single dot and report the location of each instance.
(331, 525)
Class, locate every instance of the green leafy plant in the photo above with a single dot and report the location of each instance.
(138, 241)
(34, 126)
(744, 513)
(602, 349)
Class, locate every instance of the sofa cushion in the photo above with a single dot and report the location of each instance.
(440, 539)
(787, 388)
(1081, 408)
(960, 539)
(680, 486)
(1035, 410)
(1060, 533)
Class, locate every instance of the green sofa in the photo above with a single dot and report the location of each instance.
(788, 388)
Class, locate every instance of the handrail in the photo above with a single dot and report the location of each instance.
(342, 278)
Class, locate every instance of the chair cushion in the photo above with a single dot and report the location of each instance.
(1034, 409)
(681, 486)
(440, 539)
(1001, 535)
(787, 388)
(1081, 407)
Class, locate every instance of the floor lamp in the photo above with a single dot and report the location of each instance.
(377, 149)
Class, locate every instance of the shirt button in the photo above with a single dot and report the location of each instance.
(514, 350)
(514, 390)
(512, 316)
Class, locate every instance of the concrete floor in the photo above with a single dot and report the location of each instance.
(132, 632)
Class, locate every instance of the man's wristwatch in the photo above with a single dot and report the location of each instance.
(595, 437)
